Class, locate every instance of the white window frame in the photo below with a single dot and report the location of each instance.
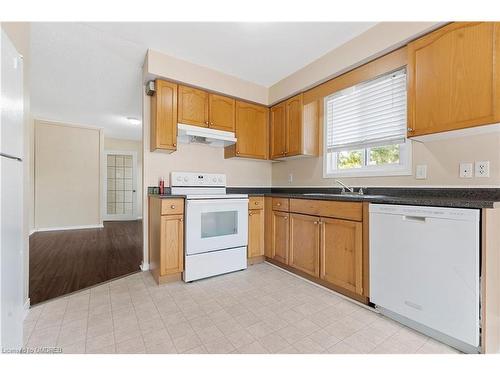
(403, 168)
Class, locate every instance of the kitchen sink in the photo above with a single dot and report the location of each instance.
(346, 195)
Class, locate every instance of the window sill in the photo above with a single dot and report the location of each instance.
(369, 173)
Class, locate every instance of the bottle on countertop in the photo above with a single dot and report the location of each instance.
(162, 185)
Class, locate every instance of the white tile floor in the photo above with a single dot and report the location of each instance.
(260, 310)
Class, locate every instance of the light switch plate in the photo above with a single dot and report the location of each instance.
(466, 170)
(482, 169)
(421, 172)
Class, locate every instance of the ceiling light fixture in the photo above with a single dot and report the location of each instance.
(133, 121)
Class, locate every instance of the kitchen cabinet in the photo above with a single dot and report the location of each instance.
(221, 112)
(304, 243)
(166, 238)
(193, 106)
(251, 128)
(164, 117)
(342, 253)
(256, 229)
(294, 128)
(280, 236)
(278, 131)
(454, 78)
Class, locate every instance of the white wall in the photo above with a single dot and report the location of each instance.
(67, 176)
(115, 144)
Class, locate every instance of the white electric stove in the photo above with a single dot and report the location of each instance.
(216, 231)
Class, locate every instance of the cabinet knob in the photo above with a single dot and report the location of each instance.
(315, 223)
(206, 122)
(256, 203)
(181, 220)
(409, 129)
(285, 218)
(250, 214)
(175, 144)
(172, 206)
(237, 152)
(278, 204)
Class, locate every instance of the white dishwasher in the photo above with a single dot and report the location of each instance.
(425, 270)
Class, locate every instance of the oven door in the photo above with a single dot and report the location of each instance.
(216, 224)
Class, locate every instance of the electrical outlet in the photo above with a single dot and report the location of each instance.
(421, 172)
(482, 169)
(290, 178)
(465, 170)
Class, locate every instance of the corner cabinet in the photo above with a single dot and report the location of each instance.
(251, 128)
(454, 78)
(166, 238)
(294, 128)
(164, 117)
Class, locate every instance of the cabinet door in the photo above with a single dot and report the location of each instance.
(172, 244)
(164, 116)
(193, 106)
(304, 243)
(294, 126)
(251, 130)
(280, 229)
(278, 131)
(255, 233)
(342, 253)
(221, 112)
(453, 76)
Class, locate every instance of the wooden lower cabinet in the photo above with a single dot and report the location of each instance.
(255, 233)
(172, 244)
(280, 236)
(166, 238)
(341, 253)
(304, 243)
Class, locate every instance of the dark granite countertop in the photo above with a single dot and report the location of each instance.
(448, 197)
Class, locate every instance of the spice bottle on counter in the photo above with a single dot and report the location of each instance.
(162, 186)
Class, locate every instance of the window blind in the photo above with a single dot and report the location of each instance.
(369, 114)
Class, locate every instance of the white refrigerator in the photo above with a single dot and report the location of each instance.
(11, 201)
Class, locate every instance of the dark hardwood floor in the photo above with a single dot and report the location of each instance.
(62, 262)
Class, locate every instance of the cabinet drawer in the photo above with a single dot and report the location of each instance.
(171, 206)
(255, 203)
(281, 204)
(336, 209)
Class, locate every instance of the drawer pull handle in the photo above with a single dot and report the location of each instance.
(172, 206)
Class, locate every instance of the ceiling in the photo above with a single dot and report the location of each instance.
(90, 73)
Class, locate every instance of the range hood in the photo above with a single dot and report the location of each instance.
(205, 136)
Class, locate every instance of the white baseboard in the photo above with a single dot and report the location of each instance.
(144, 266)
(74, 227)
(26, 309)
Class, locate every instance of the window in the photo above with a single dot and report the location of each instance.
(365, 129)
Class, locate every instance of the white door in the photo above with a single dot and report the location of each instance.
(11, 203)
(216, 224)
(120, 185)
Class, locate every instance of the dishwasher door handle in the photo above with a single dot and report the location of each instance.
(418, 219)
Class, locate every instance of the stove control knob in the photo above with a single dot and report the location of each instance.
(179, 178)
(186, 179)
(214, 179)
(220, 179)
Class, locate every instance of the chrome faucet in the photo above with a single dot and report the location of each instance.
(344, 187)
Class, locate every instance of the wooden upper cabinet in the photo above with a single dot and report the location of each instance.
(222, 110)
(304, 243)
(294, 128)
(278, 131)
(280, 230)
(341, 254)
(454, 78)
(193, 106)
(171, 244)
(164, 117)
(251, 128)
(293, 125)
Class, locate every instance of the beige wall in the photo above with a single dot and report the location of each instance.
(67, 175)
(158, 64)
(442, 158)
(115, 144)
(19, 34)
(380, 39)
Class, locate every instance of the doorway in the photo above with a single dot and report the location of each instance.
(120, 186)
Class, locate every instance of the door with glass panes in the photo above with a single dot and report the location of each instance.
(120, 198)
